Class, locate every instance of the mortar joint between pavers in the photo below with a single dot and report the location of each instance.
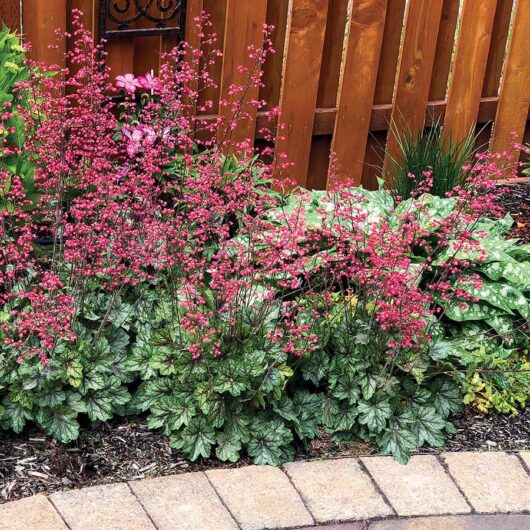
(49, 499)
(222, 501)
(302, 498)
(376, 486)
(443, 463)
(142, 505)
(522, 460)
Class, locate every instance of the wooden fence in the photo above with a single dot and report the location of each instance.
(345, 69)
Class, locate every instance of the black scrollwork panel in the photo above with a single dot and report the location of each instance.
(164, 17)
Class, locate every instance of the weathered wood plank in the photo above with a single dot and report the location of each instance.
(10, 14)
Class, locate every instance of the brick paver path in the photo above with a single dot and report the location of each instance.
(468, 491)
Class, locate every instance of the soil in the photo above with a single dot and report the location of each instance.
(516, 200)
(125, 450)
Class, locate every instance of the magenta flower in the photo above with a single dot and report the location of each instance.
(128, 82)
(148, 81)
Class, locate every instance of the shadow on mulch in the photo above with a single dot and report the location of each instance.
(517, 201)
(125, 449)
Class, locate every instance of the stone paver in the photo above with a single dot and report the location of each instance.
(420, 488)
(112, 507)
(183, 502)
(260, 497)
(462, 522)
(491, 481)
(33, 513)
(336, 490)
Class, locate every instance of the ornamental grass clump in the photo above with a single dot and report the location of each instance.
(177, 284)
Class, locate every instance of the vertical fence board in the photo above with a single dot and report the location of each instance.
(243, 28)
(386, 75)
(194, 10)
(40, 20)
(384, 87)
(328, 87)
(357, 88)
(216, 10)
(444, 50)
(470, 59)
(120, 58)
(416, 62)
(272, 72)
(514, 96)
(10, 13)
(497, 52)
(301, 73)
(328, 83)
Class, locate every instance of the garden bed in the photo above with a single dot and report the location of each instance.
(126, 450)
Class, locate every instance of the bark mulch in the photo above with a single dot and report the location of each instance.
(516, 200)
(125, 450)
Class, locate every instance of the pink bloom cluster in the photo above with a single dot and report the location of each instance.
(161, 195)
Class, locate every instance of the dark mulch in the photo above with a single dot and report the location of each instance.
(517, 201)
(126, 450)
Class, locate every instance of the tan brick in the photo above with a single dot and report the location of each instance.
(112, 507)
(456, 522)
(335, 490)
(260, 497)
(32, 513)
(492, 482)
(419, 488)
(183, 502)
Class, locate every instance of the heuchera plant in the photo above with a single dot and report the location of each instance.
(159, 272)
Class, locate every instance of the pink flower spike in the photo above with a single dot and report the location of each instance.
(128, 82)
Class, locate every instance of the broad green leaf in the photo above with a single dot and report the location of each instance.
(228, 448)
(446, 396)
(374, 414)
(266, 442)
(170, 413)
(397, 441)
(59, 422)
(428, 426)
(196, 439)
(517, 273)
(16, 415)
